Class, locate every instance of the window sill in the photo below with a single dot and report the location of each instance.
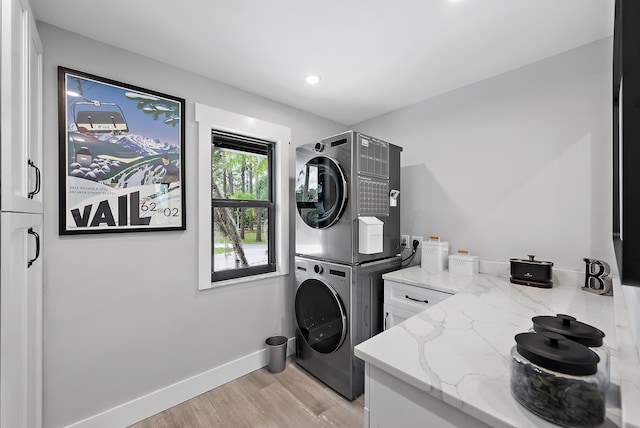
(244, 279)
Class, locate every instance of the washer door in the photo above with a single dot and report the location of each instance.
(321, 192)
(321, 316)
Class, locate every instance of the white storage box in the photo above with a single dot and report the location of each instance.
(435, 254)
(370, 234)
(464, 264)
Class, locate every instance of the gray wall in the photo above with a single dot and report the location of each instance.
(123, 316)
(514, 165)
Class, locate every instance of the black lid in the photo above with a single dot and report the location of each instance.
(531, 261)
(567, 326)
(554, 352)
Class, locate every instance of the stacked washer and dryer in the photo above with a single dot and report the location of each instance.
(347, 237)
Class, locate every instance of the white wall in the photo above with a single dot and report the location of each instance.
(123, 316)
(514, 165)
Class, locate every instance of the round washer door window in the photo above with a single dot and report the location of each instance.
(321, 192)
(321, 317)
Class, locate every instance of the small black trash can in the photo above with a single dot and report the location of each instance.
(276, 353)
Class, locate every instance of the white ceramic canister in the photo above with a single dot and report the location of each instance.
(464, 263)
(435, 254)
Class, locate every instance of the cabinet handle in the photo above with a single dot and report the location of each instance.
(415, 300)
(38, 180)
(32, 232)
(386, 315)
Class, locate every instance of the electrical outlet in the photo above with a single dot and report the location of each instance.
(404, 240)
(416, 238)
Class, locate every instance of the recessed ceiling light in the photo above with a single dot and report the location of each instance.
(312, 79)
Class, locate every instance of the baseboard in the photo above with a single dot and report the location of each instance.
(155, 402)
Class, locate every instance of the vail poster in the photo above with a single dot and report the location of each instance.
(121, 156)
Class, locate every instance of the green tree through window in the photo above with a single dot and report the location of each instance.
(243, 206)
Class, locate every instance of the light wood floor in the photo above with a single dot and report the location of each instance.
(291, 398)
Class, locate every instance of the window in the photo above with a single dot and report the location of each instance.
(243, 209)
(251, 136)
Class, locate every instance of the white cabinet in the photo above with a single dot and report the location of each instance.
(20, 109)
(402, 301)
(392, 403)
(393, 315)
(21, 277)
(21, 320)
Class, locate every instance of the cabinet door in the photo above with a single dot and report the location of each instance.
(393, 315)
(20, 109)
(21, 284)
(394, 403)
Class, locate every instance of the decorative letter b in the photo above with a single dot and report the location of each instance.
(596, 277)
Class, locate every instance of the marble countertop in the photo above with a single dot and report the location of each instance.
(459, 349)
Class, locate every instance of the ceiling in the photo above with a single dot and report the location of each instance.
(373, 56)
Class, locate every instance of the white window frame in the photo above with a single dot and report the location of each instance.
(210, 118)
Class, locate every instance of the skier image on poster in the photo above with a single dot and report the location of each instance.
(172, 172)
(123, 156)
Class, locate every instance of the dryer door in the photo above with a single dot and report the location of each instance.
(321, 192)
(321, 316)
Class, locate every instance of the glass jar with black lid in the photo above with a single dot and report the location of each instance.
(580, 332)
(558, 379)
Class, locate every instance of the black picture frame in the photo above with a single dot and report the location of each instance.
(121, 156)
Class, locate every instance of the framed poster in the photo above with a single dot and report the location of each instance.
(121, 156)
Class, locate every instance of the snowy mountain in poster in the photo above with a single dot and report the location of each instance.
(140, 144)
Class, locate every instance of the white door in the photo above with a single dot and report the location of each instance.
(20, 109)
(393, 315)
(21, 320)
